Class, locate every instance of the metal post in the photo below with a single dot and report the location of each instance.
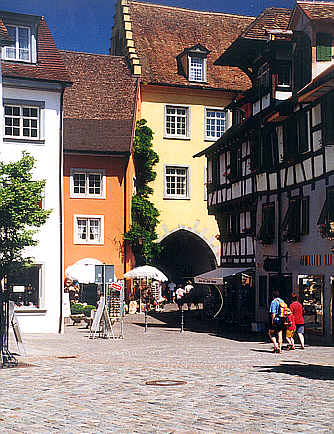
(7, 358)
(182, 320)
(145, 318)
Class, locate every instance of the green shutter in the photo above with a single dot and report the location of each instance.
(324, 47)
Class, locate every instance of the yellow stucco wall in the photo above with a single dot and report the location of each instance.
(190, 214)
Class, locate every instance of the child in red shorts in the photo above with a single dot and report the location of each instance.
(290, 330)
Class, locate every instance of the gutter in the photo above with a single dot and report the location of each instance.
(61, 210)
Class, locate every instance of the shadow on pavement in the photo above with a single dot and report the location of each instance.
(194, 322)
(313, 372)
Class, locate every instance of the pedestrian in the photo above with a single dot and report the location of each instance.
(297, 310)
(276, 321)
(290, 329)
(188, 289)
(171, 290)
(179, 293)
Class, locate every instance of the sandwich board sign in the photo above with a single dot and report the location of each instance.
(102, 321)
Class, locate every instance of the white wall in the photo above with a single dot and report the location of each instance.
(47, 252)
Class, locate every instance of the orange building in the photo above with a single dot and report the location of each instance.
(99, 122)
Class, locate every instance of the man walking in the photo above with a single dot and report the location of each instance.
(276, 321)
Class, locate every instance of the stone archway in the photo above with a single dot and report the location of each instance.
(185, 255)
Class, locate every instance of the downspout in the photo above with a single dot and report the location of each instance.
(125, 172)
(60, 329)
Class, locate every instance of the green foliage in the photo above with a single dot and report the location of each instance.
(87, 309)
(145, 158)
(141, 234)
(77, 308)
(20, 212)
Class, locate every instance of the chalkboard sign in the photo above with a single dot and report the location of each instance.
(98, 315)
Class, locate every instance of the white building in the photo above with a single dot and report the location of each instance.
(33, 81)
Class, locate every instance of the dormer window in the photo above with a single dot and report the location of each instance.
(21, 48)
(22, 30)
(192, 63)
(197, 67)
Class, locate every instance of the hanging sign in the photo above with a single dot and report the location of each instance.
(116, 286)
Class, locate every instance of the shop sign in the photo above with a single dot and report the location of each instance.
(116, 286)
(317, 260)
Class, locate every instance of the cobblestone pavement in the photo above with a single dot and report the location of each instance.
(73, 384)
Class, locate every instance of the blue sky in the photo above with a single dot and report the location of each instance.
(86, 25)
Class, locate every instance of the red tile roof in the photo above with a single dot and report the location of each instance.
(317, 10)
(100, 107)
(161, 33)
(4, 36)
(49, 65)
(269, 19)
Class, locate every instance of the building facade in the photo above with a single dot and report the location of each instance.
(182, 96)
(33, 82)
(99, 123)
(282, 133)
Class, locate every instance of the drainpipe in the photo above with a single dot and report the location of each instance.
(60, 329)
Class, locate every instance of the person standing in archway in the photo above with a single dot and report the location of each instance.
(171, 290)
(179, 294)
(188, 293)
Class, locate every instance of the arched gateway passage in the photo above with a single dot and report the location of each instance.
(185, 255)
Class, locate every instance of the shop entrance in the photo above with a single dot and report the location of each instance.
(282, 282)
(185, 255)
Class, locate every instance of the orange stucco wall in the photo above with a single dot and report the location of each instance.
(112, 208)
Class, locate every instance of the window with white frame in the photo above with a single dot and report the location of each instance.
(88, 229)
(176, 182)
(214, 123)
(88, 183)
(197, 69)
(177, 121)
(20, 50)
(23, 120)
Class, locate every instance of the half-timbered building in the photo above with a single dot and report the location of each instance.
(270, 175)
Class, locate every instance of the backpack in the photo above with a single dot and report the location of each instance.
(282, 313)
(282, 309)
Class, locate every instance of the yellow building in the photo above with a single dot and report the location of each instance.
(182, 96)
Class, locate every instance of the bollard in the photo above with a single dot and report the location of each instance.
(182, 321)
(145, 319)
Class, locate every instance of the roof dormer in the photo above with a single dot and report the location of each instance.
(22, 30)
(192, 63)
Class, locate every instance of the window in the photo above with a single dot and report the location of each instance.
(284, 75)
(235, 171)
(269, 150)
(21, 48)
(214, 123)
(176, 182)
(267, 231)
(324, 47)
(296, 136)
(24, 119)
(88, 229)
(263, 79)
(296, 220)
(229, 227)
(26, 286)
(238, 117)
(326, 218)
(177, 122)
(88, 183)
(197, 69)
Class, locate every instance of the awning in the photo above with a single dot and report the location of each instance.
(218, 276)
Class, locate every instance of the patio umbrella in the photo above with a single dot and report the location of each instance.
(146, 272)
(83, 270)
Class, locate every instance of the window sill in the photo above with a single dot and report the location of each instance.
(176, 137)
(25, 62)
(82, 243)
(72, 196)
(29, 311)
(175, 198)
(24, 140)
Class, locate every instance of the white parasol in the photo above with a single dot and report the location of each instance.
(83, 271)
(146, 272)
